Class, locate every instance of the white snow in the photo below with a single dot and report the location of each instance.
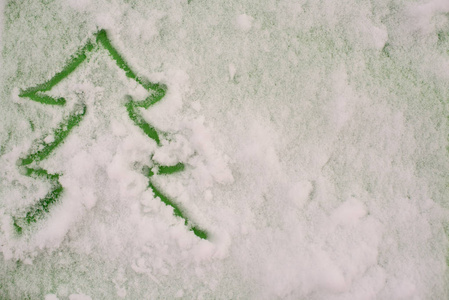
(80, 5)
(79, 297)
(314, 139)
(232, 71)
(244, 22)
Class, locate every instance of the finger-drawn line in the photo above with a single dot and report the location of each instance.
(42, 150)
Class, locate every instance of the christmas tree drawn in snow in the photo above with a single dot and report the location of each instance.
(30, 163)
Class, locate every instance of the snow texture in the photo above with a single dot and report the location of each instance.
(314, 138)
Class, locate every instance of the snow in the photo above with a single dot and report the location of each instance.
(244, 22)
(79, 297)
(313, 138)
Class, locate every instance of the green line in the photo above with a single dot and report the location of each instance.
(103, 39)
(176, 211)
(43, 98)
(164, 170)
(71, 66)
(158, 93)
(36, 211)
(41, 173)
(137, 118)
(199, 233)
(60, 134)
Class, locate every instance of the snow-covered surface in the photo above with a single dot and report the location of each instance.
(314, 136)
